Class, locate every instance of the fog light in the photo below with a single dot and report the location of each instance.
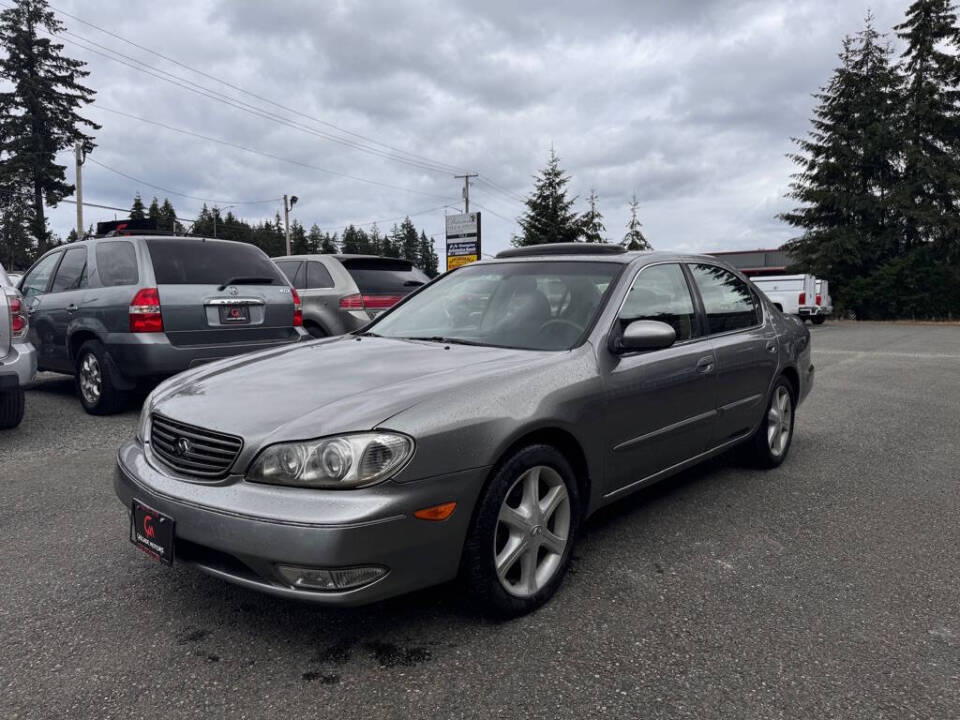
(331, 579)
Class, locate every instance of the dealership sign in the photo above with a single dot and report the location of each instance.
(463, 239)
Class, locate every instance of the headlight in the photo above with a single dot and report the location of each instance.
(143, 425)
(343, 461)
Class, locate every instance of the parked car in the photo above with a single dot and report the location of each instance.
(116, 312)
(342, 293)
(433, 443)
(18, 358)
(824, 302)
(792, 294)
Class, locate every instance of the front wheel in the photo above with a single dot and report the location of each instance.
(523, 532)
(771, 443)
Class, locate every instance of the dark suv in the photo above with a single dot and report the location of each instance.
(119, 311)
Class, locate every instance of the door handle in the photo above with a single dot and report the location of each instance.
(705, 364)
(72, 308)
(771, 346)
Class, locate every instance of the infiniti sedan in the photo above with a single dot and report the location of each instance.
(466, 432)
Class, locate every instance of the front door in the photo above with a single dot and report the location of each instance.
(34, 287)
(64, 303)
(661, 403)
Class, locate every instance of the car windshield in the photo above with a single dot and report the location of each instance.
(526, 305)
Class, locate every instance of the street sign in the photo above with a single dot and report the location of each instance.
(463, 239)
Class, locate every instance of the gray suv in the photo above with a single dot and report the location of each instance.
(18, 359)
(342, 293)
(118, 311)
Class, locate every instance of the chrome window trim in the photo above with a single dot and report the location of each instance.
(763, 310)
(616, 317)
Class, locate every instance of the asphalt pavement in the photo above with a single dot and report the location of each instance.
(828, 588)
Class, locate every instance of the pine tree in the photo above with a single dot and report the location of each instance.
(315, 240)
(137, 210)
(549, 217)
(410, 242)
(298, 239)
(427, 256)
(350, 243)
(330, 243)
(153, 212)
(634, 239)
(591, 222)
(38, 107)
(929, 194)
(393, 243)
(168, 217)
(376, 240)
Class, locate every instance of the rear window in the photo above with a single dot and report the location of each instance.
(178, 261)
(375, 276)
(117, 263)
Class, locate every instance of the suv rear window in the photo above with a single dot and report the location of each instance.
(180, 261)
(376, 276)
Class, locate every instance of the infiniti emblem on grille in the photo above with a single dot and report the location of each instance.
(181, 447)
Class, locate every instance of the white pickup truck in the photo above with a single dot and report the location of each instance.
(792, 294)
(824, 301)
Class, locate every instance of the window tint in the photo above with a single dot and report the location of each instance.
(318, 276)
(179, 261)
(727, 299)
(72, 273)
(384, 276)
(294, 271)
(117, 263)
(660, 292)
(35, 283)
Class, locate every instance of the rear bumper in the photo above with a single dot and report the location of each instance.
(241, 531)
(19, 367)
(152, 354)
(811, 311)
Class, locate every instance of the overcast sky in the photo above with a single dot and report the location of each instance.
(691, 105)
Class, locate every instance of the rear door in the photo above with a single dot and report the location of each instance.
(216, 291)
(383, 282)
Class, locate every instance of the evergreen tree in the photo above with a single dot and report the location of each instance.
(153, 212)
(38, 108)
(330, 243)
(393, 243)
(298, 239)
(929, 194)
(410, 242)
(137, 210)
(16, 245)
(849, 168)
(314, 239)
(168, 217)
(376, 240)
(350, 245)
(549, 217)
(428, 260)
(591, 222)
(634, 239)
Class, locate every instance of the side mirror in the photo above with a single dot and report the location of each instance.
(645, 335)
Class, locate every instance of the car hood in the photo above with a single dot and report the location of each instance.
(318, 388)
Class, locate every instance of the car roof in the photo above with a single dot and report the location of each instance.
(640, 257)
(339, 256)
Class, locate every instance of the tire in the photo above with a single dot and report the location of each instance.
(771, 443)
(819, 319)
(542, 542)
(98, 392)
(315, 330)
(11, 408)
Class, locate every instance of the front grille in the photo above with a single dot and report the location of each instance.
(192, 450)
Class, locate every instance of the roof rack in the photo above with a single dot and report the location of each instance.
(568, 248)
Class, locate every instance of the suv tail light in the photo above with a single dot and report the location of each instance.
(145, 314)
(297, 309)
(369, 302)
(803, 298)
(819, 299)
(18, 319)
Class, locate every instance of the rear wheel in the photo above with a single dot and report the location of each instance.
(98, 392)
(819, 319)
(771, 443)
(315, 330)
(11, 408)
(523, 532)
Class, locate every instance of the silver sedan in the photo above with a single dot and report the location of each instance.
(468, 431)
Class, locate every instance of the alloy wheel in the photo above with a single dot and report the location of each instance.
(779, 421)
(533, 528)
(91, 379)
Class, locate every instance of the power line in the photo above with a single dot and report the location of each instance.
(237, 146)
(388, 220)
(502, 190)
(449, 167)
(483, 207)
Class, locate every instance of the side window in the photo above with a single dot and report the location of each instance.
(727, 299)
(117, 263)
(318, 276)
(72, 273)
(294, 271)
(660, 292)
(36, 281)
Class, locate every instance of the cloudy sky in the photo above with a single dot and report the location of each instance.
(689, 104)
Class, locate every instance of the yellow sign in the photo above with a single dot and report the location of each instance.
(455, 261)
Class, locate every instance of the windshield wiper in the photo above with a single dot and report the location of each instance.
(247, 280)
(413, 283)
(367, 333)
(441, 339)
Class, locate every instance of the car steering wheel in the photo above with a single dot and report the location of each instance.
(558, 322)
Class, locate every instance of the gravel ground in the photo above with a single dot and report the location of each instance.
(826, 588)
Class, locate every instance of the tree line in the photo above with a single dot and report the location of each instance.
(878, 184)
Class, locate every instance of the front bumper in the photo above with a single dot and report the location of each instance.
(241, 531)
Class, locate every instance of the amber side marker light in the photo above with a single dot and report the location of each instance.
(437, 512)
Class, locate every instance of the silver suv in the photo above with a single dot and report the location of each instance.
(342, 293)
(18, 359)
(117, 311)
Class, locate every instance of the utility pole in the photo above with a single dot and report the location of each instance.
(466, 190)
(79, 153)
(287, 207)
